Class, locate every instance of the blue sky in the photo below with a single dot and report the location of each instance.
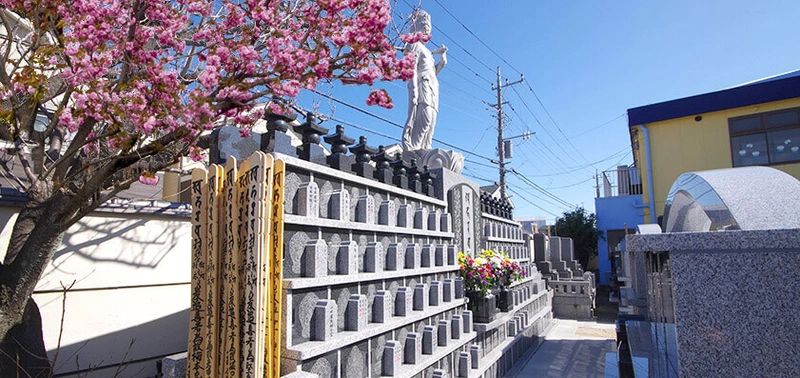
(587, 62)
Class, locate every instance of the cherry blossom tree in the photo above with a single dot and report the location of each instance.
(97, 94)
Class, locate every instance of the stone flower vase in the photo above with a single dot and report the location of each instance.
(505, 301)
(484, 309)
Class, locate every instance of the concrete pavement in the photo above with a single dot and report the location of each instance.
(571, 349)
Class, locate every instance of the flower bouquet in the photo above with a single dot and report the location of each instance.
(477, 273)
(478, 279)
(505, 272)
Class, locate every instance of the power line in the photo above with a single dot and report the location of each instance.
(530, 202)
(547, 131)
(539, 198)
(598, 126)
(575, 184)
(478, 38)
(574, 169)
(460, 46)
(460, 62)
(394, 123)
(481, 164)
(554, 122)
(438, 30)
(541, 189)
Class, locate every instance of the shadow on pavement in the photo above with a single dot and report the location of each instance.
(564, 358)
(605, 311)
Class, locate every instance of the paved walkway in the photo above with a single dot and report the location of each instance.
(571, 349)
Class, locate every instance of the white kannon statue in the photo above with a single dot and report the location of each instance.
(423, 89)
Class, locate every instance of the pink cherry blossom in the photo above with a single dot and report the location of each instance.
(148, 178)
(381, 98)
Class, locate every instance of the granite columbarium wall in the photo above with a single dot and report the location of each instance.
(505, 338)
(370, 268)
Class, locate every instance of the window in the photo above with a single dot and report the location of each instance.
(766, 138)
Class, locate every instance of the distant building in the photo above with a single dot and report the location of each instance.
(756, 123)
(533, 225)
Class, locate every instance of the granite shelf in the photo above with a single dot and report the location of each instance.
(490, 358)
(506, 316)
(500, 219)
(427, 360)
(340, 279)
(504, 240)
(310, 349)
(349, 177)
(301, 220)
(524, 280)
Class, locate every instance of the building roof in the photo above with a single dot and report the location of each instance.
(773, 88)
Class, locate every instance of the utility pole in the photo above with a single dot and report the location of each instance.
(500, 147)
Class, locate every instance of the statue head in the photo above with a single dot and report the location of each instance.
(420, 21)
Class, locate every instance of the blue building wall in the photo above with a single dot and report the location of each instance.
(613, 213)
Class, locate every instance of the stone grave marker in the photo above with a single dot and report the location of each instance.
(413, 349)
(445, 223)
(308, 199)
(421, 218)
(451, 255)
(435, 296)
(387, 215)
(464, 364)
(475, 352)
(443, 333)
(455, 327)
(413, 252)
(347, 258)
(428, 339)
(466, 316)
(404, 216)
(439, 255)
(365, 209)
(382, 306)
(403, 303)
(323, 322)
(433, 220)
(425, 255)
(459, 288)
(315, 259)
(355, 317)
(395, 258)
(420, 297)
(373, 257)
(339, 205)
(448, 290)
(392, 358)
(512, 328)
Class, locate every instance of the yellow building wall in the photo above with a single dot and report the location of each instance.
(684, 145)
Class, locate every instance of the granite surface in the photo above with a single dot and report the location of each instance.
(737, 313)
(736, 300)
(720, 240)
(757, 198)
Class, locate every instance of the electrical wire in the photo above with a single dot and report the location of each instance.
(555, 123)
(394, 123)
(531, 203)
(543, 190)
(476, 37)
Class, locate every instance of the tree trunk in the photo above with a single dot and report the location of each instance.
(35, 238)
(22, 352)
